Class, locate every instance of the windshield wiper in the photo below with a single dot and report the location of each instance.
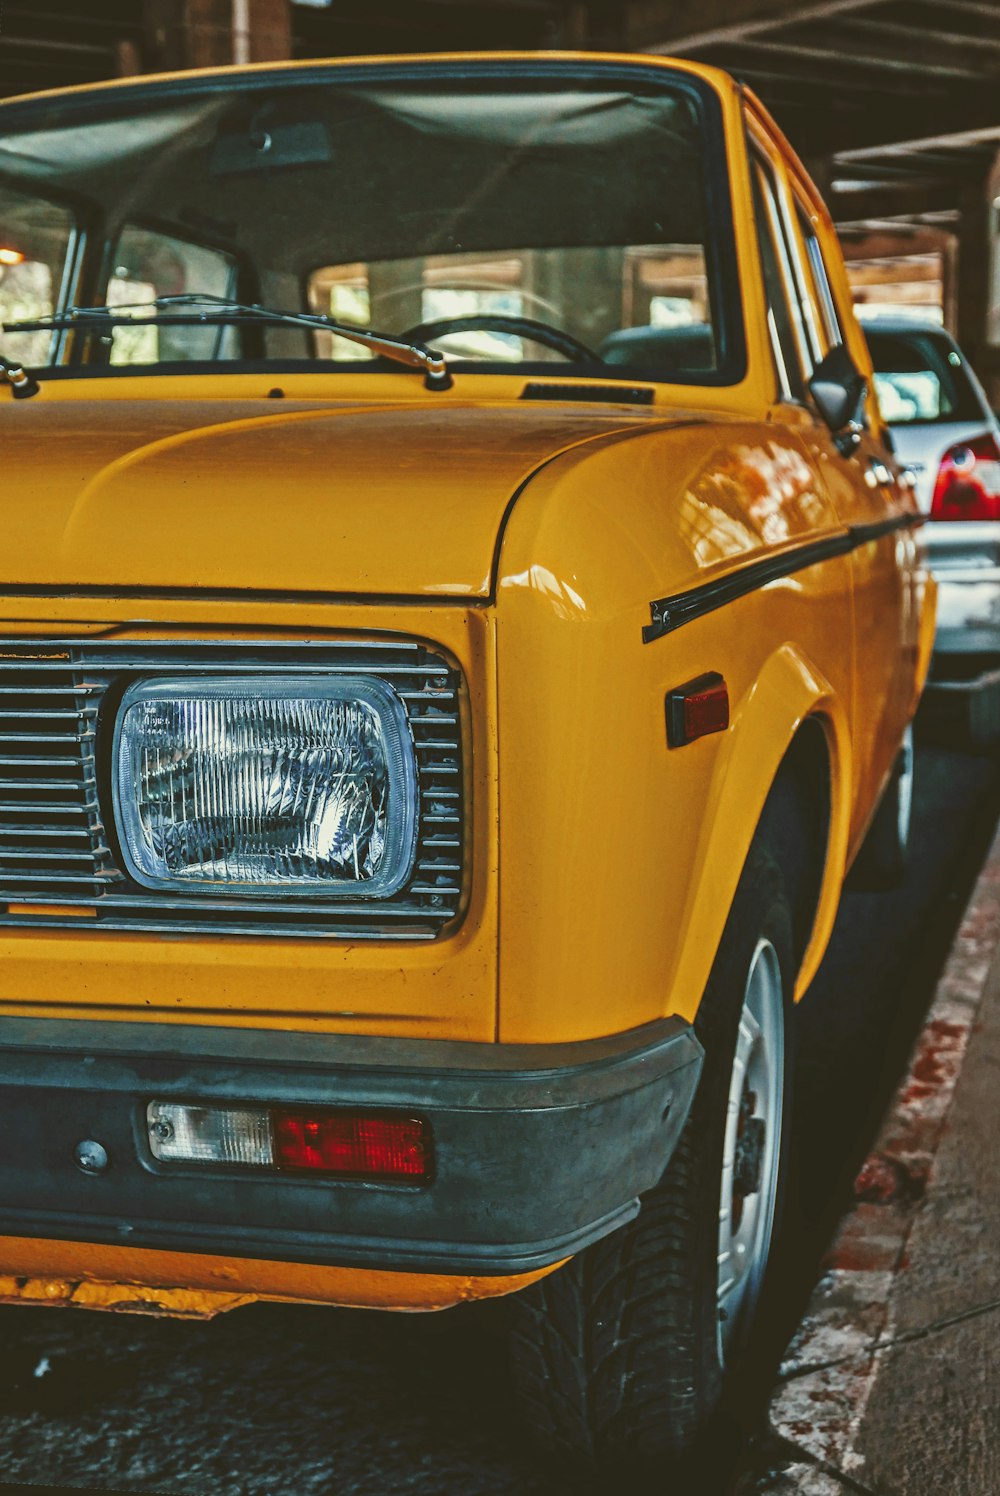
(225, 313)
(23, 384)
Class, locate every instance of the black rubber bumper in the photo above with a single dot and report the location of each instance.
(538, 1149)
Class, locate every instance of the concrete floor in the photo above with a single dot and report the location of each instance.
(300, 1401)
(932, 1424)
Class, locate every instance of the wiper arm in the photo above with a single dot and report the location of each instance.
(23, 384)
(226, 313)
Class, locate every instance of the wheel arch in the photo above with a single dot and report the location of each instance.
(796, 822)
(788, 747)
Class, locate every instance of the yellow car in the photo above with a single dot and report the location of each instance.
(460, 623)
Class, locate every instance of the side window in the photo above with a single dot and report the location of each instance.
(786, 336)
(37, 246)
(818, 280)
(148, 264)
(800, 286)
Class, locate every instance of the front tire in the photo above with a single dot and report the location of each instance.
(621, 1357)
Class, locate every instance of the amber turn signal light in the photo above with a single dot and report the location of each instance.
(697, 708)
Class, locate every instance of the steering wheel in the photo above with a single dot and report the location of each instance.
(526, 327)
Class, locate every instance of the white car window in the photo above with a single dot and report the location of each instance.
(921, 378)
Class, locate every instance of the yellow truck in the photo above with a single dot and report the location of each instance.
(460, 621)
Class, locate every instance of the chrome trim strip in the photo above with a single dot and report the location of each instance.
(669, 613)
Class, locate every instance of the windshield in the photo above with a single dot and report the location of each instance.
(481, 210)
(920, 378)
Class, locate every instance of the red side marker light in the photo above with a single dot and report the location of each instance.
(697, 708)
(352, 1144)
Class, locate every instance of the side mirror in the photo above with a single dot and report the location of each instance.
(839, 392)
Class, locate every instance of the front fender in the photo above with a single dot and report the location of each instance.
(788, 690)
(619, 855)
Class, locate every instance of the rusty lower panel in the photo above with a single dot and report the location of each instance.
(189, 1285)
(125, 1298)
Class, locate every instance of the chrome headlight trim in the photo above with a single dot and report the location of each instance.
(400, 764)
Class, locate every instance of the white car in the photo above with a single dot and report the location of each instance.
(945, 432)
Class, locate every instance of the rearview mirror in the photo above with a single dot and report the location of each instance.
(839, 391)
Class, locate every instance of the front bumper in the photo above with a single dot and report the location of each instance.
(539, 1149)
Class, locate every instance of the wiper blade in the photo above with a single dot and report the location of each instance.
(221, 312)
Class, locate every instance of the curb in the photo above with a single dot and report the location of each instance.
(833, 1361)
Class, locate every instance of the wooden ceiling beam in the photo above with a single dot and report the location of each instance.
(928, 166)
(827, 88)
(984, 8)
(663, 25)
(910, 138)
(841, 57)
(889, 127)
(920, 44)
(893, 242)
(892, 203)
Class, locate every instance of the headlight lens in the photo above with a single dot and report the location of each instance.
(261, 785)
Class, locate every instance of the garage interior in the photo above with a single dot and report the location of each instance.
(894, 105)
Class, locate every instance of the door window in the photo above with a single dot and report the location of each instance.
(818, 281)
(802, 290)
(37, 245)
(787, 336)
(147, 265)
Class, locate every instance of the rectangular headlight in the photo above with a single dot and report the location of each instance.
(261, 785)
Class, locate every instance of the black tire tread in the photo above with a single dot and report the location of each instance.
(608, 1353)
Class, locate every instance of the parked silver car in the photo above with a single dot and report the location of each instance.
(945, 432)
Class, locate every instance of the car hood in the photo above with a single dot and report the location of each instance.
(216, 494)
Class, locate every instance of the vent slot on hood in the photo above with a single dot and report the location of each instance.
(608, 394)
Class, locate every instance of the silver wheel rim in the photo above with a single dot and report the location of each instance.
(904, 798)
(752, 1147)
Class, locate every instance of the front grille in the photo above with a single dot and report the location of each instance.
(59, 864)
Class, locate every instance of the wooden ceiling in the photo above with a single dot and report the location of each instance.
(896, 102)
(56, 43)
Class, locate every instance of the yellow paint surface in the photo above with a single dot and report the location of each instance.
(193, 1285)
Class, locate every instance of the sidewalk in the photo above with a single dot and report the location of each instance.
(892, 1384)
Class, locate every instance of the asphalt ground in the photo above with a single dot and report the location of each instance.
(297, 1401)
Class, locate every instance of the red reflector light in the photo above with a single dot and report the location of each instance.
(347, 1143)
(968, 481)
(697, 708)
